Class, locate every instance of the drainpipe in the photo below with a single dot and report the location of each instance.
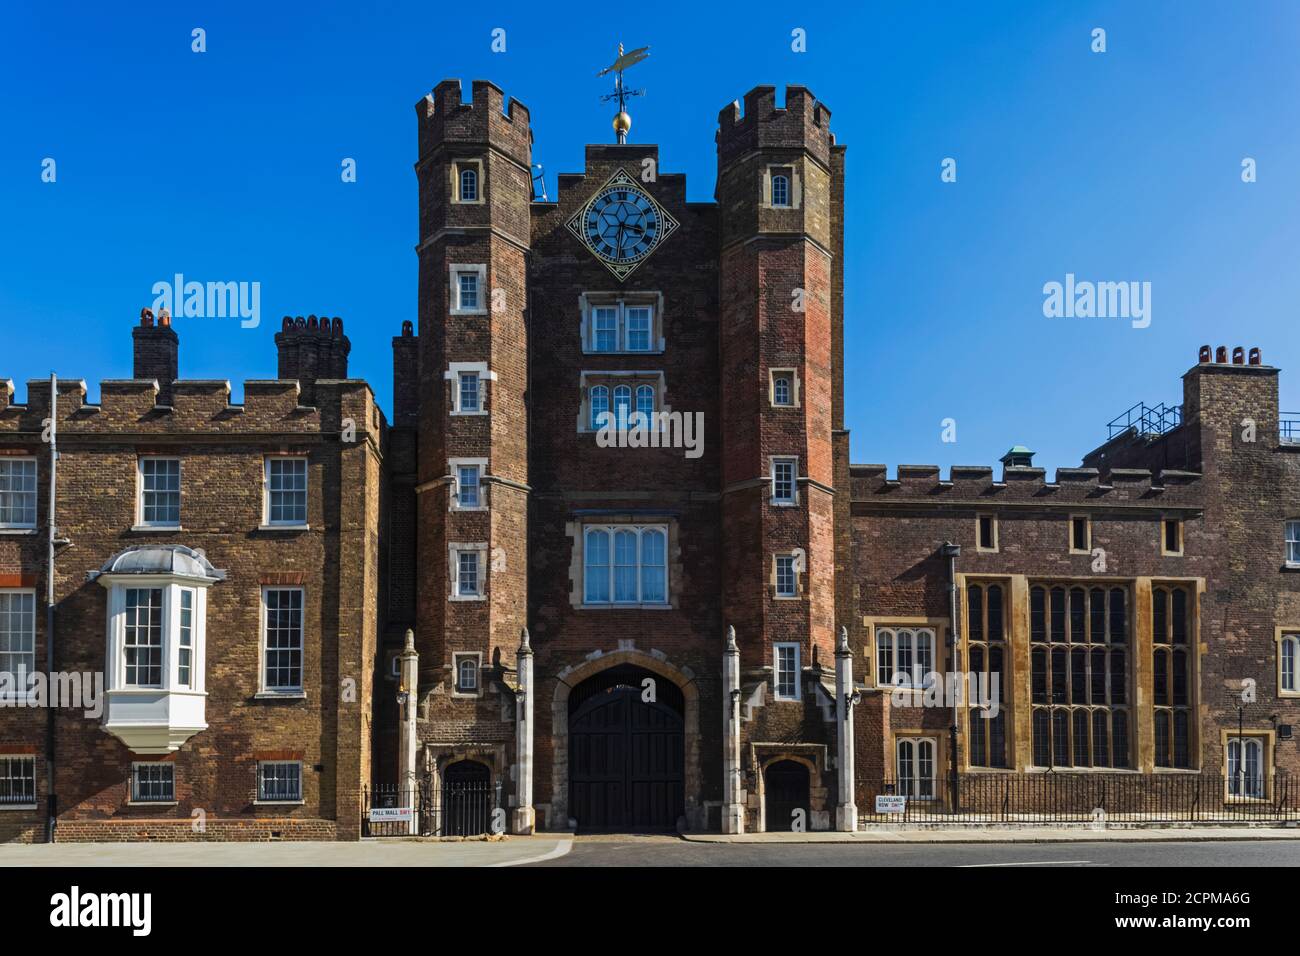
(52, 800)
(952, 552)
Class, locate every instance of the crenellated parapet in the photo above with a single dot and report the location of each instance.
(489, 118)
(802, 124)
(198, 407)
(976, 485)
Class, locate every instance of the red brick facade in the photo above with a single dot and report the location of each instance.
(485, 507)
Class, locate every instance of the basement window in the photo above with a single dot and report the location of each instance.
(17, 782)
(279, 781)
(153, 783)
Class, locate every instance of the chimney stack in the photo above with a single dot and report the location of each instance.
(406, 377)
(157, 352)
(311, 349)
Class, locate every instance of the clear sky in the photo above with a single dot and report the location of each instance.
(1117, 166)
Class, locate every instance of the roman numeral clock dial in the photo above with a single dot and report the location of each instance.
(621, 225)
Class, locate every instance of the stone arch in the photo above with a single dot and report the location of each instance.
(569, 678)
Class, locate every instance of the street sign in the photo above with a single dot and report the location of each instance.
(886, 804)
(392, 814)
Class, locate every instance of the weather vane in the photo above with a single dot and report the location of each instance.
(623, 122)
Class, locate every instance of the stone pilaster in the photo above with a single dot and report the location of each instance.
(733, 804)
(525, 817)
(408, 781)
(846, 810)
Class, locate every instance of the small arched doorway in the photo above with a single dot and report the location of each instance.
(626, 751)
(786, 788)
(466, 799)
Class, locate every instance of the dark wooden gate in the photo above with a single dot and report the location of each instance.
(786, 789)
(625, 753)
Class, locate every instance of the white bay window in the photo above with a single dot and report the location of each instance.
(154, 665)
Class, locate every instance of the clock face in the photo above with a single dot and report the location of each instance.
(621, 225)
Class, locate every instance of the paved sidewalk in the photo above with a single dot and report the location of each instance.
(512, 851)
(1082, 834)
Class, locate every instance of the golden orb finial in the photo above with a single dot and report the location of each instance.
(622, 123)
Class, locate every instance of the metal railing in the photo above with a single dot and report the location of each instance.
(1144, 420)
(1288, 428)
(994, 798)
(458, 808)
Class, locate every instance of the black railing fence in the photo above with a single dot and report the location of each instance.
(1096, 798)
(458, 808)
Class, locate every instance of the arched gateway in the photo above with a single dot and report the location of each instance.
(627, 752)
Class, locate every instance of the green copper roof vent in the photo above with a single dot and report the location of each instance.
(1018, 457)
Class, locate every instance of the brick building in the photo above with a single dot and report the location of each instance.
(643, 585)
(218, 566)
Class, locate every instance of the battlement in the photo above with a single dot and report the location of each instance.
(976, 485)
(803, 123)
(488, 119)
(198, 407)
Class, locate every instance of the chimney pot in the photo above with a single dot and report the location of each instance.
(1238, 356)
(1206, 354)
(1221, 355)
(309, 350)
(1255, 357)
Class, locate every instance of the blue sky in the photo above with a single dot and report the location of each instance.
(1118, 166)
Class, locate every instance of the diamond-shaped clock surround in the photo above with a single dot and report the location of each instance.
(621, 270)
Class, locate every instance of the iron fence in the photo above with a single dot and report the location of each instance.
(455, 808)
(1095, 798)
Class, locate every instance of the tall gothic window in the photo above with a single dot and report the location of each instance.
(1079, 675)
(1171, 666)
(986, 658)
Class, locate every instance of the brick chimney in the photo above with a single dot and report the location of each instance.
(157, 352)
(311, 349)
(406, 377)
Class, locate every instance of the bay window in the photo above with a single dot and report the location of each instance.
(155, 687)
